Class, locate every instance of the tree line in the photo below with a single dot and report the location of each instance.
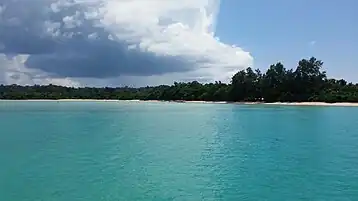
(308, 82)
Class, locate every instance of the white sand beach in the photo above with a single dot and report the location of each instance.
(279, 103)
(312, 104)
(345, 104)
(262, 103)
(62, 100)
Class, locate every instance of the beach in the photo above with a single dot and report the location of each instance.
(312, 104)
(343, 104)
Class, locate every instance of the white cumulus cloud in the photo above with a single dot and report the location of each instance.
(114, 42)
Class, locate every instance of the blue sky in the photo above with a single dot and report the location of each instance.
(282, 30)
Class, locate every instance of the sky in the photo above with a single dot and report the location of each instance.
(152, 42)
(287, 31)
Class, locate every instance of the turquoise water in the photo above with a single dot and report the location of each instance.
(90, 151)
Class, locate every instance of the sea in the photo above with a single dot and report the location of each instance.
(147, 151)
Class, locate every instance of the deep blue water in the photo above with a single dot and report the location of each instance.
(95, 151)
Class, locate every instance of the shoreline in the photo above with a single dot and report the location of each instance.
(200, 102)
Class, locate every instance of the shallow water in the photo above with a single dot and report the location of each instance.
(171, 151)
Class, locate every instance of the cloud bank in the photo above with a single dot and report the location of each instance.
(113, 42)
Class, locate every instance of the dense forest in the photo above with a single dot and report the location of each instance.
(305, 83)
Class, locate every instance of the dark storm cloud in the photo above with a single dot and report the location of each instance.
(64, 49)
(101, 59)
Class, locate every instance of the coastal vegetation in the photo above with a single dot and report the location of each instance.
(306, 83)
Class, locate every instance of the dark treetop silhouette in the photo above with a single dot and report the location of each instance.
(306, 83)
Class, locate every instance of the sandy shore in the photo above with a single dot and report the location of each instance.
(282, 103)
(262, 103)
(314, 104)
(63, 100)
(211, 102)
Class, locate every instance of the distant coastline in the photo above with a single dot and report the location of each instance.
(345, 104)
(305, 85)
